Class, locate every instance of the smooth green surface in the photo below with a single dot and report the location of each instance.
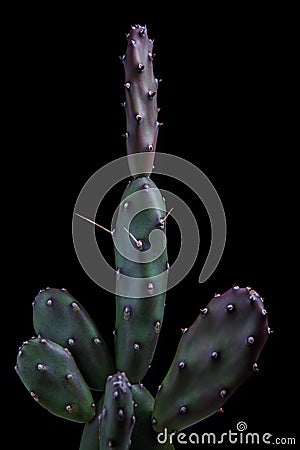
(196, 388)
(142, 325)
(51, 375)
(144, 437)
(90, 439)
(58, 316)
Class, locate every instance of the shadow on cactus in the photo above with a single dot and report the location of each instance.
(69, 356)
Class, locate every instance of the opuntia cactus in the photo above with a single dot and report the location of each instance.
(117, 419)
(215, 355)
(141, 101)
(60, 317)
(50, 374)
(138, 320)
(143, 436)
(90, 439)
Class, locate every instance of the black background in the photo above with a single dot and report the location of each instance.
(227, 76)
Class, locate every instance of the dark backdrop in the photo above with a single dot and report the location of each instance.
(225, 81)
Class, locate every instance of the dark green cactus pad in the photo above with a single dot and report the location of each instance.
(214, 357)
(117, 418)
(90, 439)
(141, 101)
(59, 317)
(143, 436)
(138, 320)
(50, 374)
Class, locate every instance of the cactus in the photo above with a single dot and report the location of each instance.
(90, 439)
(141, 101)
(215, 355)
(50, 374)
(117, 418)
(144, 436)
(59, 317)
(138, 320)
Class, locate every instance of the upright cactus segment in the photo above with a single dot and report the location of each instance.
(139, 307)
(138, 320)
(143, 436)
(214, 357)
(141, 103)
(90, 439)
(117, 418)
(50, 374)
(59, 317)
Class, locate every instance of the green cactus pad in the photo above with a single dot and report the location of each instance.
(117, 418)
(50, 374)
(143, 436)
(138, 320)
(90, 439)
(215, 355)
(141, 101)
(59, 317)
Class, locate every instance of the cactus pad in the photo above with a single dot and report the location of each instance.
(215, 355)
(138, 320)
(117, 418)
(59, 317)
(50, 374)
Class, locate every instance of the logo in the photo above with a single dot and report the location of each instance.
(238, 436)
